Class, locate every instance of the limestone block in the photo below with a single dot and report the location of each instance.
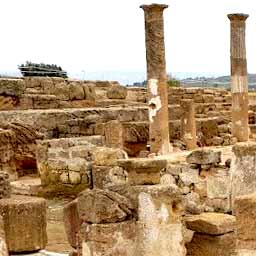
(242, 169)
(103, 156)
(157, 232)
(244, 208)
(12, 87)
(76, 91)
(107, 176)
(204, 156)
(89, 92)
(113, 131)
(5, 187)
(167, 195)
(161, 240)
(211, 223)
(117, 92)
(222, 205)
(202, 245)
(105, 206)
(25, 223)
(72, 223)
(218, 186)
(143, 171)
(192, 203)
(115, 239)
(189, 176)
(62, 91)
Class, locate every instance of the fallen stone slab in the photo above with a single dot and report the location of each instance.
(204, 156)
(24, 222)
(211, 223)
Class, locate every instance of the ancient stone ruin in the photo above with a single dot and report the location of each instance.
(93, 168)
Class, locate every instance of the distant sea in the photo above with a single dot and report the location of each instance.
(123, 77)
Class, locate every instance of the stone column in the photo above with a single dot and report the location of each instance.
(157, 79)
(239, 79)
(188, 124)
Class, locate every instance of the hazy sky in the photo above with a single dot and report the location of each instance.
(100, 35)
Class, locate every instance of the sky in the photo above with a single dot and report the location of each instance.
(90, 36)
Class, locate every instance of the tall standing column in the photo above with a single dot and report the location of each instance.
(157, 79)
(239, 79)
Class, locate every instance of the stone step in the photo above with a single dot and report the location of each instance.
(26, 186)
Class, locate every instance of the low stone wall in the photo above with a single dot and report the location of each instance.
(50, 93)
(65, 165)
(199, 95)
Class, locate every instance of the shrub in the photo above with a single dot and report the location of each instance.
(173, 82)
(34, 69)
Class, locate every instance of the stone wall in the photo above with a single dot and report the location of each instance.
(50, 93)
(65, 165)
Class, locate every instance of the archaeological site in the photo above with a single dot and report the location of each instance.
(95, 168)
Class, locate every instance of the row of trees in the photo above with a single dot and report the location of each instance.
(35, 69)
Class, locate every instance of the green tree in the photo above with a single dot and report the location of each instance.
(173, 82)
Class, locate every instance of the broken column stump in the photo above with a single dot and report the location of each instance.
(24, 222)
(188, 124)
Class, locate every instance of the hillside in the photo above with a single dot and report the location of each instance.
(222, 81)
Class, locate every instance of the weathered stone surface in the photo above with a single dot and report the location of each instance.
(219, 184)
(157, 232)
(156, 77)
(3, 245)
(244, 208)
(76, 91)
(188, 124)
(143, 171)
(239, 81)
(72, 223)
(117, 239)
(202, 245)
(11, 87)
(245, 252)
(113, 131)
(105, 207)
(189, 176)
(170, 195)
(24, 222)
(5, 187)
(103, 156)
(202, 156)
(211, 223)
(117, 92)
(242, 169)
(107, 176)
